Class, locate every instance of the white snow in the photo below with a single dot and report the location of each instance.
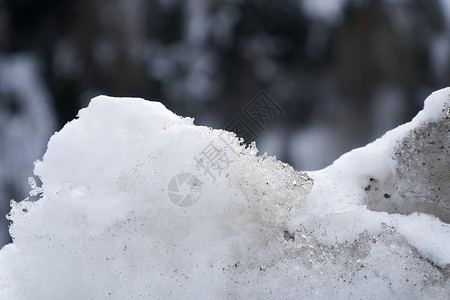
(336, 210)
(106, 226)
(105, 223)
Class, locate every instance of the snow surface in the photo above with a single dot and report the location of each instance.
(336, 209)
(106, 227)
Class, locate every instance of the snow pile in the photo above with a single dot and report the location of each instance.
(140, 203)
(406, 172)
(105, 225)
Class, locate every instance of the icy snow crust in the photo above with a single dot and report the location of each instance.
(105, 227)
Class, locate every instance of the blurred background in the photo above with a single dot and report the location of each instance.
(344, 71)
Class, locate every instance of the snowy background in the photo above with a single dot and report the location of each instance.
(343, 71)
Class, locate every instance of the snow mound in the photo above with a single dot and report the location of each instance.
(404, 174)
(139, 203)
(109, 222)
